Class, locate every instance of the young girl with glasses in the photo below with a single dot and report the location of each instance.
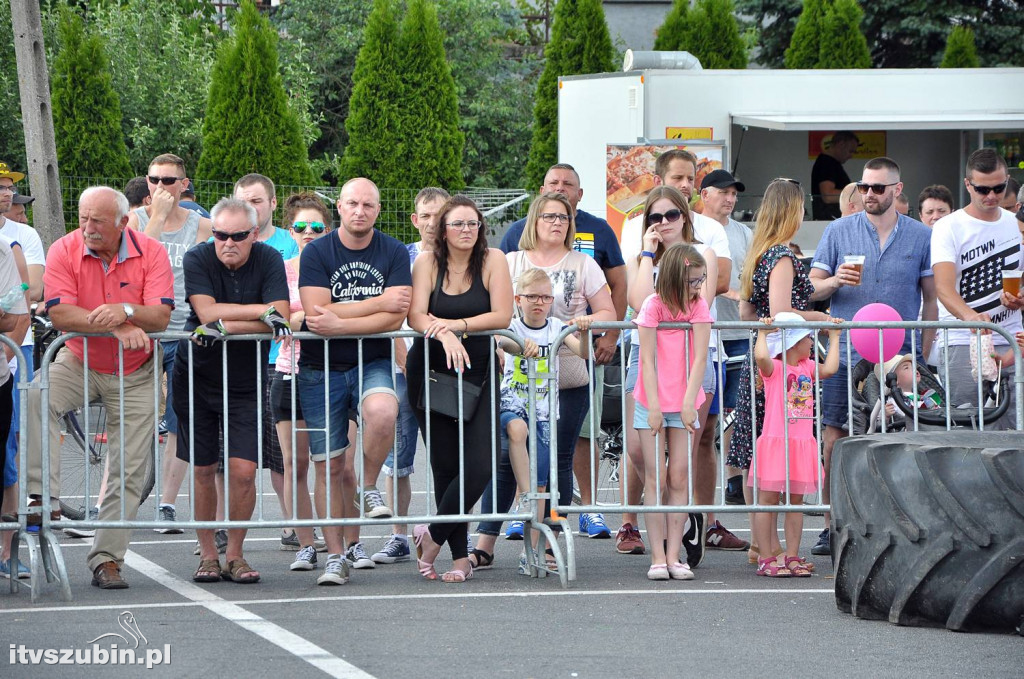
(668, 394)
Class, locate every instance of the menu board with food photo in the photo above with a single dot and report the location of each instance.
(630, 175)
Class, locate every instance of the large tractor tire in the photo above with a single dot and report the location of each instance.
(928, 528)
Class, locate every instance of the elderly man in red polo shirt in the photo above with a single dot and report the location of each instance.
(102, 278)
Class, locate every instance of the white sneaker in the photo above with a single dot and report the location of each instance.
(305, 560)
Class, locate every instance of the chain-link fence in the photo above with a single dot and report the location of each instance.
(501, 207)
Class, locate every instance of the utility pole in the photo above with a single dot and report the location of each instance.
(37, 118)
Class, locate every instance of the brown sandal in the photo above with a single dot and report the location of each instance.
(236, 571)
(209, 571)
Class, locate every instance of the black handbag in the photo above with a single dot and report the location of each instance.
(444, 396)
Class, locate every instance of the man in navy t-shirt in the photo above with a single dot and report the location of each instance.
(595, 238)
(354, 282)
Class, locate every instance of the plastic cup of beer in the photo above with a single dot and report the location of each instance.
(1011, 282)
(858, 264)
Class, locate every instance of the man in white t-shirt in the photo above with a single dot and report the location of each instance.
(970, 250)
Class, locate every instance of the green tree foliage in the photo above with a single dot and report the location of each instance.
(249, 126)
(86, 109)
(580, 44)
(960, 50)
(903, 33)
(376, 97)
(429, 142)
(842, 43)
(161, 70)
(12, 137)
(714, 35)
(804, 47)
(672, 35)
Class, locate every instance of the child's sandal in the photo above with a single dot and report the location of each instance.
(771, 568)
(797, 568)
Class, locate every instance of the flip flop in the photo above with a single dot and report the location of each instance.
(241, 572)
(209, 571)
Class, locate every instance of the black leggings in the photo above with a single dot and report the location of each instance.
(480, 438)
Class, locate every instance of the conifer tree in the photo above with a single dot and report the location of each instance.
(843, 45)
(249, 126)
(86, 109)
(672, 34)
(428, 138)
(580, 44)
(805, 45)
(374, 105)
(714, 35)
(960, 51)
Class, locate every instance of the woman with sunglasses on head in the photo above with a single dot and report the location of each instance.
(459, 286)
(577, 282)
(307, 218)
(667, 220)
(772, 280)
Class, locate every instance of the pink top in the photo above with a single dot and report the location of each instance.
(674, 346)
(794, 400)
(284, 357)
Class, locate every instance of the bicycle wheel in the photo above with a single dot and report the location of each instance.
(609, 457)
(76, 456)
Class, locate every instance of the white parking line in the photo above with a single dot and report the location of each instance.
(275, 634)
(400, 597)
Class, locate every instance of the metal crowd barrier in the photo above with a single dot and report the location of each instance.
(952, 417)
(45, 555)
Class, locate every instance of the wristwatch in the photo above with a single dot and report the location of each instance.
(647, 253)
(129, 312)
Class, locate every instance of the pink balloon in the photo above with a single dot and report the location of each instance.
(865, 340)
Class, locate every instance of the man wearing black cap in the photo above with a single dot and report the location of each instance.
(828, 176)
(718, 192)
(17, 212)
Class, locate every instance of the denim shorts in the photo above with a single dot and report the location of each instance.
(407, 430)
(834, 405)
(170, 349)
(344, 399)
(671, 420)
(730, 373)
(543, 442)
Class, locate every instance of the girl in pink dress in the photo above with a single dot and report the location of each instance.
(668, 393)
(785, 365)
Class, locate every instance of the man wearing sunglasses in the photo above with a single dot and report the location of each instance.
(970, 249)
(234, 286)
(177, 229)
(104, 278)
(896, 271)
(828, 176)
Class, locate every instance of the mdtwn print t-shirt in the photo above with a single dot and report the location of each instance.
(979, 251)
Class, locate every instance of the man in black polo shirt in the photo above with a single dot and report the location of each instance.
(234, 285)
(828, 178)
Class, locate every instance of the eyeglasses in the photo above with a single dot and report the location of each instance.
(166, 181)
(460, 225)
(696, 282)
(533, 299)
(985, 190)
(300, 227)
(877, 189)
(8, 189)
(552, 217)
(670, 216)
(237, 237)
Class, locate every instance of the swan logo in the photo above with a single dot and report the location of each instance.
(127, 647)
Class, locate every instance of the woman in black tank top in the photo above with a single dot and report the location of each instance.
(461, 286)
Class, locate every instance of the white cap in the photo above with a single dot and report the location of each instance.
(793, 335)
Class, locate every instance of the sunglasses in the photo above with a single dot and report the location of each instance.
(985, 190)
(533, 299)
(237, 237)
(786, 179)
(877, 189)
(166, 181)
(300, 227)
(668, 217)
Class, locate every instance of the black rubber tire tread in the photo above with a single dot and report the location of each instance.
(928, 528)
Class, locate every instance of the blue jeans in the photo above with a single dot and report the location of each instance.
(170, 349)
(10, 470)
(344, 399)
(407, 430)
(572, 408)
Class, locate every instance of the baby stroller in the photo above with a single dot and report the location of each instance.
(870, 397)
